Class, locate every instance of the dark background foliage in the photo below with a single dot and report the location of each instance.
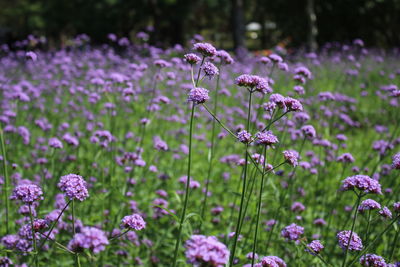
(223, 21)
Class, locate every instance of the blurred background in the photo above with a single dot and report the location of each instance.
(230, 24)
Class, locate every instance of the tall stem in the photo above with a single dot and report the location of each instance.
(232, 256)
(211, 151)
(178, 239)
(77, 262)
(6, 179)
(259, 208)
(352, 228)
(35, 257)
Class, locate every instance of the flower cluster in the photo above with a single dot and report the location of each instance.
(354, 244)
(134, 222)
(73, 186)
(206, 251)
(292, 232)
(198, 95)
(89, 238)
(27, 193)
(363, 183)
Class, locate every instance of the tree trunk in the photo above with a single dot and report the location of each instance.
(238, 27)
(312, 26)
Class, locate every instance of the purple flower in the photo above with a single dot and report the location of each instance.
(275, 58)
(89, 238)
(396, 207)
(355, 242)
(272, 261)
(298, 207)
(6, 262)
(385, 213)
(303, 71)
(369, 204)
(266, 138)
(253, 81)
(363, 183)
(291, 156)
(27, 193)
(73, 186)
(292, 232)
(206, 251)
(134, 221)
(396, 161)
(54, 142)
(308, 131)
(372, 260)
(31, 55)
(206, 49)
(244, 136)
(345, 158)
(293, 104)
(210, 69)
(315, 247)
(198, 95)
(192, 59)
(225, 57)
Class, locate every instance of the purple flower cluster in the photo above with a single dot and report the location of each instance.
(134, 221)
(272, 261)
(244, 136)
(363, 183)
(73, 186)
(315, 247)
(192, 58)
(27, 193)
(396, 161)
(266, 138)
(291, 157)
(372, 260)
(210, 69)
(89, 238)
(206, 49)
(369, 204)
(292, 232)
(198, 95)
(355, 242)
(206, 251)
(254, 82)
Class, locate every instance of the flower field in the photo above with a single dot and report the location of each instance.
(131, 155)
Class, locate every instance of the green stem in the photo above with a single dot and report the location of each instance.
(54, 224)
(178, 239)
(6, 179)
(77, 261)
(35, 257)
(219, 121)
(352, 229)
(365, 250)
(259, 208)
(368, 223)
(211, 151)
(394, 245)
(232, 256)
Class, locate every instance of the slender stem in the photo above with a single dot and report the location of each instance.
(35, 257)
(121, 234)
(316, 254)
(199, 71)
(54, 224)
(232, 256)
(77, 261)
(210, 151)
(219, 121)
(58, 244)
(259, 208)
(178, 239)
(394, 245)
(368, 224)
(6, 179)
(365, 250)
(352, 229)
